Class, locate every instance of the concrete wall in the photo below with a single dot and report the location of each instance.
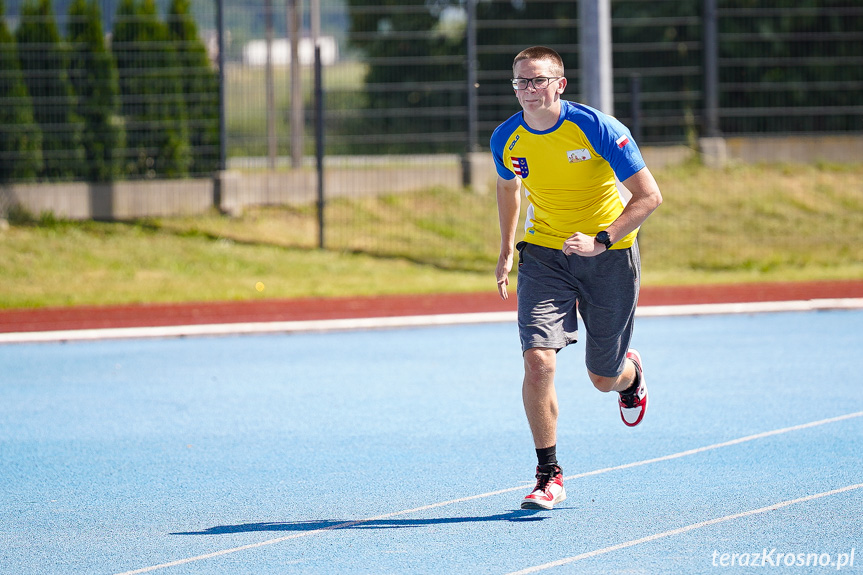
(797, 149)
(233, 191)
(117, 201)
(240, 189)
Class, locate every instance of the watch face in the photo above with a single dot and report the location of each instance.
(602, 237)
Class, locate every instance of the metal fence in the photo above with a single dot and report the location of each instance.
(397, 78)
(791, 66)
(781, 66)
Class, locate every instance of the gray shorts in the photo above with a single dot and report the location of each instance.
(604, 289)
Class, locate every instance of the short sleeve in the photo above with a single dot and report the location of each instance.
(498, 143)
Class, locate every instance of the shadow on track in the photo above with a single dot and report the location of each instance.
(330, 524)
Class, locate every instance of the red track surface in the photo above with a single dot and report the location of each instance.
(146, 315)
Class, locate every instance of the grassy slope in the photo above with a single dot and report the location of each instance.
(751, 223)
(740, 224)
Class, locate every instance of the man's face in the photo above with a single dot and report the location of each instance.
(531, 99)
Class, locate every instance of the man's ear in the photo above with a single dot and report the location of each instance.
(561, 85)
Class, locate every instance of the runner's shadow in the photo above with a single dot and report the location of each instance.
(331, 524)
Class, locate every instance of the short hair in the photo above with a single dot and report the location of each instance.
(541, 53)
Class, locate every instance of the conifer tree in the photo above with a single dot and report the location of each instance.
(200, 88)
(44, 64)
(150, 92)
(20, 136)
(94, 76)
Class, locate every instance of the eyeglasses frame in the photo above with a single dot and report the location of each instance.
(532, 82)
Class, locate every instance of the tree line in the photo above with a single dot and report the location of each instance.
(75, 108)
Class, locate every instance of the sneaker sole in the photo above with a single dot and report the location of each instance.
(533, 504)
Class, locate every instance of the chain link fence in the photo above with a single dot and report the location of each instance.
(116, 91)
(791, 67)
(103, 90)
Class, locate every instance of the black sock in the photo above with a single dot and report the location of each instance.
(635, 381)
(547, 455)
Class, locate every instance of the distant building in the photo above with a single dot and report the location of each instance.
(255, 52)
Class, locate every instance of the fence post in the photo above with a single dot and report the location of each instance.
(297, 116)
(714, 152)
(711, 70)
(472, 83)
(472, 86)
(219, 183)
(594, 29)
(223, 139)
(319, 118)
(635, 105)
(270, 88)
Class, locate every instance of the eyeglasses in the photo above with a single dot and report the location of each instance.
(540, 82)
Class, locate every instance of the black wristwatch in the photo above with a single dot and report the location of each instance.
(602, 237)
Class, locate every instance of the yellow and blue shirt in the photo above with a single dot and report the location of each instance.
(567, 172)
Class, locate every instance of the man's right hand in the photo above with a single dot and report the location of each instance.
(504, 266)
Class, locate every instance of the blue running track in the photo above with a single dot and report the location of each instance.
(407, 451)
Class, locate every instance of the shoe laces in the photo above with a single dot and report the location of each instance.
(543, 478)
(630, 399)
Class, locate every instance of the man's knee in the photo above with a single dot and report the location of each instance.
(539, 365)
(602, 383)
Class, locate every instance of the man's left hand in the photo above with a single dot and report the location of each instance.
(582, 245)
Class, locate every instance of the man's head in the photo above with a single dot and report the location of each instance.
(538, 82)
(553, 59)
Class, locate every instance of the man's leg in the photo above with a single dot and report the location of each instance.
(539, 395)
(620, 383)
(546, 322)
(632, 388)
(540, 405)
(608, 310)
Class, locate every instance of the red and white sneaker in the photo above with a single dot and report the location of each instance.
(548, 491)
(634, 405)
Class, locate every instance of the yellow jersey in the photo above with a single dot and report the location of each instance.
(567, 172)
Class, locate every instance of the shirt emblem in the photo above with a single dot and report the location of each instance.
(622, 141)
(575, 156)
(519, 166)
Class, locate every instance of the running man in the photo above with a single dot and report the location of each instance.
(579, 248)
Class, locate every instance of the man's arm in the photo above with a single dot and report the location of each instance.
(646, 197)
(508, 206)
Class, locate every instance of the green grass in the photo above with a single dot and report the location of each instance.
(741, 224)
(755, 223)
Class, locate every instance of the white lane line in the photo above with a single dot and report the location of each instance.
(491, 494)
(685, 529)
(325, 325)
(718, 445)
(749, 307)
(250, 328)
